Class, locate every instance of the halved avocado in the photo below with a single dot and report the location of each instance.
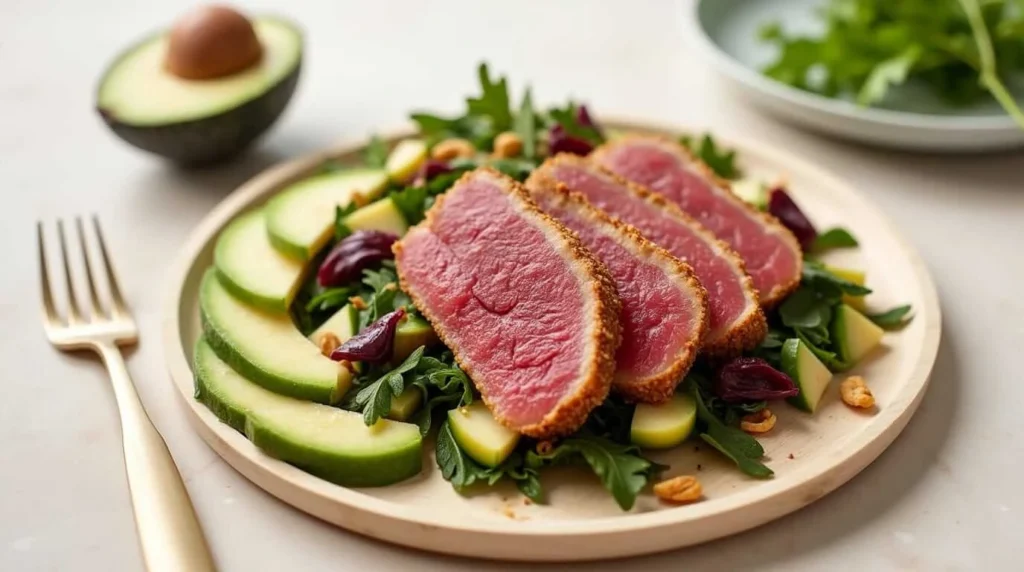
(328, 442)
(193, 121)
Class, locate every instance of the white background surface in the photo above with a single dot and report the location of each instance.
(946, 496)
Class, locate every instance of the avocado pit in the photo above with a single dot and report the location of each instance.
(212, 42)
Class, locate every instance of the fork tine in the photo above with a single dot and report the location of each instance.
(97, 310)
(119, 307)
(49, 309)
(74, 315)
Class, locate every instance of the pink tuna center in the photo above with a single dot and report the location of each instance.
(769, 260)
(509, 304)
(726, 298)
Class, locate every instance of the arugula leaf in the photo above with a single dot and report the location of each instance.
(890, 318)
(456, 467)
(721, 161)
(621, 468)
(736, 445)
(568, 119)
(446, 385)
(526, 125)
(376, 153)
(341, 230)
(816, 276)
(805, 309)
(834, 238)
(892, 71)
(374, 399)
(493, 101)
(411, 203)
(330, 299)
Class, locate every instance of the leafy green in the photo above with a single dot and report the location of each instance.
(526, 125)
(486, 115)
(376, 153)
(568, 118)
(736, 445)
(493, 101)
(721, 161)
(462, 471)
(330, 298)
(621, 468)
(834, 238)
(341, 230)
(374, 399)
(959, 50)
(890, 318)
(413, 201)
(444, 385)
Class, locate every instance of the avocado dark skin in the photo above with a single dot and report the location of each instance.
(212, 139)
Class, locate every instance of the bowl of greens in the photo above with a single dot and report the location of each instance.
(924, 75)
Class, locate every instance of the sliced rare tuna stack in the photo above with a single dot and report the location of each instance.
(530, 314)
(769, 250)
(664, 314)
(737, 322)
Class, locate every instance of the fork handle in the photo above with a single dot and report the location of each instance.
(169, 532)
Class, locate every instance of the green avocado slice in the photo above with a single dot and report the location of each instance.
(300, 219)
(806, 370)
(383, 215)
(854, 334)
(252, 269)
(480, 435)
(138, 91)
(267, 348)
(665, 425)
(328, 442)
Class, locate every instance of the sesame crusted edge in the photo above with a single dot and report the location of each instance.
(750, 327)
(770, 222)
(604, 337)
(659, 386)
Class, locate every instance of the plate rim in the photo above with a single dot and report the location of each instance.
(613, 536)
(793, 96)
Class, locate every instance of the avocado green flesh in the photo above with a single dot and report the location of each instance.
(806, 370)
(342, 325)
(665, 425)
(267, 348)
(300, 219)
(139, 91)
(382, 215)
(854, 334)
(252, 269)
(405, 159)
(405, 404)
(325, 441)
(480, 435)
(850, 275)
(411, 334)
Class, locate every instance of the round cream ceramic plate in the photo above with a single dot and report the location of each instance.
(811, 456)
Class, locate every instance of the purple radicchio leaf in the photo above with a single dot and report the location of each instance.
(782, 206)
(352, 254)
(752, 379)
(374, 344)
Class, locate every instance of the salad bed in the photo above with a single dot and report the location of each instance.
(331, 267)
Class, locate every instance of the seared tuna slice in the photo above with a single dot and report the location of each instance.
(769, 250)
(664, 313)
(737, 322)
(530, 314)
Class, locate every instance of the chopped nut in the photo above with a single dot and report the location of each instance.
(452, 148)
(507, 144)
(761, 422)
(545, 447)
(359, 199)
(328, 343)
(391, 286)
(679, 489)
(856, 393)
(348, 366)
(357, 302)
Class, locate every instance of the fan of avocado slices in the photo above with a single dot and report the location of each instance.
(282, 351)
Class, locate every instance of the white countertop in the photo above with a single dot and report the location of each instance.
(947, 495)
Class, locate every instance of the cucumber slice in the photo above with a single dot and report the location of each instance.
(807, 371)
(267, 348)
(480, 435)
(663, 426)
(382, 215)
(328, 442)
(300, 219)
(405, 159)
(252, 269)
(854, 334)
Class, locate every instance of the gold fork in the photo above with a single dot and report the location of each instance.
(169, 533)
